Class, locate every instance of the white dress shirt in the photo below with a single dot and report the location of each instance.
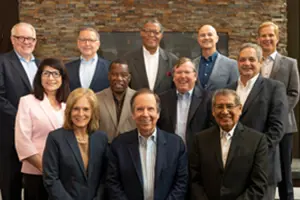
(147, 148)
(244, 90)
(87, 70)
(267, 65)
(29, 67)
(151, 64)
(226, 138)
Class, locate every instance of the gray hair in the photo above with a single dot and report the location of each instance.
(226, 92)
(14, 28)
(92, 30)
(155, 21)
(145, 91)
(256, 47)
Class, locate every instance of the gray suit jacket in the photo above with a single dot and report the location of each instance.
(108, 115)
(285, 70)
(139, 79)
(225, 72)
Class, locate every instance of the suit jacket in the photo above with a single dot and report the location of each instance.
(198, 116)
(35, 119)
(285, 70)
(14, 84)
(225, 72)
(100, 78)
(139, 79)
(265, 110)
(108, 114)
(125, 178)
(244, 176)
(63, 171)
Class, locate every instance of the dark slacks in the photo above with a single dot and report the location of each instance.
(285, 187)
(34, 188)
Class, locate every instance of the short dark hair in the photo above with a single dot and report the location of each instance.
(64, 90)
(118, 61)
(145, 91)
(155, 21)
(226, 92)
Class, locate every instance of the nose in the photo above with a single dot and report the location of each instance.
(80, 112)
(145, 112)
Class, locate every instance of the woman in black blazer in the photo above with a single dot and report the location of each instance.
(75, 156)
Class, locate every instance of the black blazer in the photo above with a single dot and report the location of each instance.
(63, 170)
(100, 78)
(245, 174)
(14, 84)
(266, 110)
(199, 117)
(125, 178)
(139, 79)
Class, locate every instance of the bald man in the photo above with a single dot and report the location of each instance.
(215, 70)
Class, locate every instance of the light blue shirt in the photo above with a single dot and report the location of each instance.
(87, 70)
(29, 67)
(147, 148)
(183, 107)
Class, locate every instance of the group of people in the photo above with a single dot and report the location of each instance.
(148, 125)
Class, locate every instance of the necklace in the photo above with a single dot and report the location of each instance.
(82, 140)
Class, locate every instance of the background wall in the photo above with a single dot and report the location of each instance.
(58, 21)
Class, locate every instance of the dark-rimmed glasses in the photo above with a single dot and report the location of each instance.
(23, 39)
(54, 74)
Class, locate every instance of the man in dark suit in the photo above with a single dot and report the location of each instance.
(89, 71)
(285, 70)
(147, 163)
(151, 66)
(186, 109)
(215, 70)
(17, 71)
(265, 107)
(228, 161)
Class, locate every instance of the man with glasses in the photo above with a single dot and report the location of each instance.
(114, 102)
(228, 161)
(89, 71)
(150, 65)
(17, 71)
(265, 107)
(215, 70)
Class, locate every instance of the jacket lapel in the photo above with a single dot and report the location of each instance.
(217, 147)
(140, 68)
(92, 144)
(162, 68)
(173, 108)
(196, 100)
(75, 69)
(98, 73)
(276, 65)
(111, 107)
(215, 72)
(161, 157)
(71, 139)
(133, 148)
(125, 108)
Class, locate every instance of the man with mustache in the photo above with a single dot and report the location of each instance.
(215, 70)
(228, 161)
(285, 70)
(114, 102)
(150, 65)
(265, 107)
(90, 71)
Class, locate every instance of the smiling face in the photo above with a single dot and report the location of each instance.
(151, 35)
(51, 80)
(145, 113)
(207, 37)
(81, 113)
(226, 112)
(88, 44)
(268, 39)
(185, 77)
(248, 63)
(118, 77)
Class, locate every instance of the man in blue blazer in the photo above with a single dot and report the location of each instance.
(215, 70)
(147, 163)
(17, 71)
(89, 71)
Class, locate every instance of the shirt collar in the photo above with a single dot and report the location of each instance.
(82, 59)
(212, 57)
(147, 53)
(153, 137)
(249, 82)
(229, 133)
(32, 59)
(190, 92)
(273, 55)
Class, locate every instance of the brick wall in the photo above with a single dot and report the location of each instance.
(58, 21)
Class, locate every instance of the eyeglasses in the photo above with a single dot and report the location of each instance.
(148, 32)
(54, 74)
(23, 39)
(85, 40)
(227, 106)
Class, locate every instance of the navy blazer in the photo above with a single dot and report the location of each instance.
(265, 110)
(63, 171)
(100, 78)
(125, 178)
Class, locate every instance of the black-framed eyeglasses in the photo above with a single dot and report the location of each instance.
(85, 40)
(148, 32)
(23, 39)
(227, 106)
(54, 74)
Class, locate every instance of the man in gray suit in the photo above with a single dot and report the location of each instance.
(151, 66)
(115, 110)
(215, 70)
(283, 69)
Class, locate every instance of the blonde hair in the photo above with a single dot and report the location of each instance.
(269, 23)
(74, 96)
